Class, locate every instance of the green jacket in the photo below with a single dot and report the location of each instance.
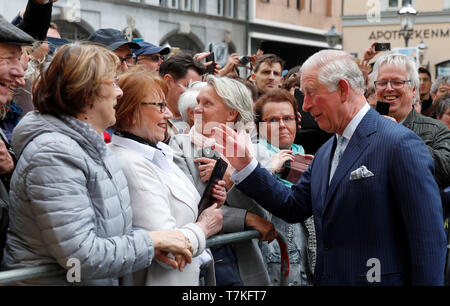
(437, 138)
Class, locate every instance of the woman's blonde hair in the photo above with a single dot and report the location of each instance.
(135, 84)
(73, 79)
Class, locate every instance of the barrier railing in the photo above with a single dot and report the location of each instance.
(16, 275)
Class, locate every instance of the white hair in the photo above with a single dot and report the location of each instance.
(401, 61)
(188, 100)
(443, 79)
(235, 95)
(333, 66)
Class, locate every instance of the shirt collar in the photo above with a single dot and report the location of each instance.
(351, 127)
(149, 152)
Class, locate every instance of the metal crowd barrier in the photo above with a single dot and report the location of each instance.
(16, 275)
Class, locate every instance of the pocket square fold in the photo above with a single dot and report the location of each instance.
(360, 173)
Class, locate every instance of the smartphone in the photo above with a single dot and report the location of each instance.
(210, 58)
(383, 108)
(294, 170)
(217, 174)
(382, 46)
(244, 60)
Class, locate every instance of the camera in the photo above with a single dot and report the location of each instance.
(382, 46)
(244, 60)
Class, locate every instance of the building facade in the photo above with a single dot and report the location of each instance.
(190, 25)
(365, 22)
(293, 29)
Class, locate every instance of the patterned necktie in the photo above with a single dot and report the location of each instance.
(337, 155)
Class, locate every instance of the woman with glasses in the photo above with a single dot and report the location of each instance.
(277, 126)
(224, 100)
(162, 197)
(71, 204)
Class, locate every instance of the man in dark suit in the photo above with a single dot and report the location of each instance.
(371, 190)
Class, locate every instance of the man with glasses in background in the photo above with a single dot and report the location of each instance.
(397, 82)
(116, 41)
(150, 55)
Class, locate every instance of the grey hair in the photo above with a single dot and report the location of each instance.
(442, 106)
(334, 65)
(188, 100)
(399, 60)
(235, 95)
(442, 79)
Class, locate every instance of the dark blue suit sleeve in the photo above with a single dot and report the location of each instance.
(419, 204)
(290, 204)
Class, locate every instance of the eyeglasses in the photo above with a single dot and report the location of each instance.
(162, 105)
(396, 84)
(443, 90)
(115, 82)
(286, 119)
(130, 60)
(152, 57)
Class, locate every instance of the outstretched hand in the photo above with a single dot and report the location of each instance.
(235, 147)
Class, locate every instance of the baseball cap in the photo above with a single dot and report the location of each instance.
(148, 48)
(111, 38)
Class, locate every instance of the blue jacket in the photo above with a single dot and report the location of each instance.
(394, 216)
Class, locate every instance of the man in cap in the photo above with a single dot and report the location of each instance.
(11, 40)
(150, 55)
(116, 41)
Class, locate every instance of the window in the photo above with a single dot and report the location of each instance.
(225, 8)
(173, 3)
(398, 4)
(220, 7)
(187, 5)
(394, 4)
(300, 4)
(329, 8)
(229, 8)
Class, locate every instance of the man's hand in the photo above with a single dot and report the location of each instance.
(263, 226)
(6, 161)
(235, 147)
(201, 56)
(233, 60)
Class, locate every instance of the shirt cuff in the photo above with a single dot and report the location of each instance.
(239, 176)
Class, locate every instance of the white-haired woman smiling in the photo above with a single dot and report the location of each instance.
(188, 102)
(225, 100)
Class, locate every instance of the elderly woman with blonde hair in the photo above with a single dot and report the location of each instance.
(70, 199)
(162, 197)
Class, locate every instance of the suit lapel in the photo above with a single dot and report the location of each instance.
(357, 145)
(323, 166)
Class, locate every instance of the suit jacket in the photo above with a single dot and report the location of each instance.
(394, 216)
(250, 261)
(162, 201)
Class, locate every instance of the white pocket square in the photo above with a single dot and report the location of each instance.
(360, 173)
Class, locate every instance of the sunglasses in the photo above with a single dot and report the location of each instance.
(152, 57)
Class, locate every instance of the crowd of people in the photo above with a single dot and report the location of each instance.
(108, 145)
